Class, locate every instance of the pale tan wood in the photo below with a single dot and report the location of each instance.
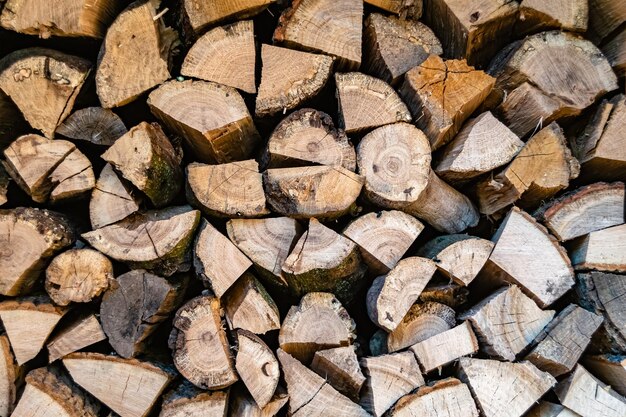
(249, 306)
(227, 190)
(615, 52)
(188, 401)
(611, 369)
(527, 255)
(83, 332)
(10, 376)
(537, 15)
(445, 347)
(445, 398)
(93, 124)
(546, 409)
(127, 386)
(395, 45)
(5, 179)
(289, 78)
(506, 322)
(390, 296)
(216, 260)
(257, 367)
(602, 250)
(134, 56)
(212, 118)
(201, 15)
(199, 345)
(452, 294)
(78, 275)
(340, 367)
(112, 200)
(366, 102)
(73, 178)
(411, 9)
(584, 394)
(243, 405)
(225, 55)
(389, 377)
(504, 389)
(421, 322)
(155, 240)
(326, 26)
(605, 16)
(584, 210)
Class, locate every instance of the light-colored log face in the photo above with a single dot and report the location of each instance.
(566, 15)
(546, 409)
(8, 377)
(248, 306)
(257, 366)
(83, 332)
(93, 124)
(225, 55)
(242, 404)
(611, 369)
(446, 398)
(74, 177)
(603, 250)
(340, 367)
(188, 401)
(420, 323)
(411, 9)
(204, 14)
(111, 200)
(445, 347)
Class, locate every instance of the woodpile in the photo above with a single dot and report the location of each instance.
(313, 208)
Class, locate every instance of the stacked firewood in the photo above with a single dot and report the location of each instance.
(313, 208)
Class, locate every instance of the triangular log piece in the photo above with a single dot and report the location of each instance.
(445, 398)
(112, 199)
(188, 401)
(257, 367)
(446, 347)
(602, 250)
(547, 409)
(340, 367)
(242, 404)
(249, 306)
(611, 369)
(73, 178)
(567, 15)
(420, 323)
(82, 332)
(93, 124)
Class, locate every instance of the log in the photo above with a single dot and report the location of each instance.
(391, 296)
(155, 240)
(306, 26)
(605, 16)
(602, 250)
(506, 322)
(216, 260)
(28, 322)
(389, 377)
(409, 9)
(452, 295)
(459, 257)
(542, 269)
(187, 400)
(212, 118)
(616, 53)
(482, 145)
(84, 331)
(504, 389)
(242, 404)
(134, 56)
(73, 178)
(112, 199)
(40, 234)
(289, 78)
(38, 75)
(340, 367)
(584, 210)
(127, 386)
(546, 409)
(611, 369)
(145, 157)
(78, 276)
(383, 238)
(536, 16)
(12, 123)
(445, 347)
(199, 346)
(445, 398)
(308, 137)
(10, 375)
(5, 180)
(93, 124)
(226, 190)
(394, 46)
(301, 338)
(257, 367)
(225, 55)
(562, 342)
(248, 306)
(134, 306)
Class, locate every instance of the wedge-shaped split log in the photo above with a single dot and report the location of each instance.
(82, 332)
(602, 250)
(112, 199)
(421, 322)
(257, 367)
(95, 125)
(340, 367)
(445, 398)
(611, 369)
(445, 347)
(188, 401)
(249, 306)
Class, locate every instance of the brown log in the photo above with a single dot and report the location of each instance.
(420, 323)
(616, 53)
(445, 398)
(5, 179)
(536, 16)
(112, 199)
(257, 367)
(187, 400)
(289, 78)
(452, 295)
(248, 306)
(602, 250)
(411, 9)
(243, 405)
(93, 124)
(611, 369)
(134, 56)
(605, 16)
(445, 347)
(10, 376)
(212, 118)
(83, 332)
(340, 367)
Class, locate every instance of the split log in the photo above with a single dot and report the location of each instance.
(420, 323)
(340, 367)
(459, 257)
(504, 389)
(156, 240)
(391, 296)
(248, 306)
(395, 46)
(78, 275)
(225, 55)
(452, 295)
(127, 386)
(310, 395)
(28, 322)
(445, 347)
(37, 75)
(611, 369)
(305, 25)
(536, 16)
(112, 200)
(563, 341)
(199, 345)
(482, 145)
(133, 307)
(300, 337)
(93, 124)
(442, 95)
(212, 118)
(309, 137)
(39, 235)
(602, 250)
(584, 210)
(605, 16)
(616, 53)
(366, 103)
(411, 9)
(188, 401)
(546, 409)
(216, 260)
(134, 56)
(73, 178)
(243, 405)
(257, 367)
(5, 179)
(389, 377)
(506, 322)
(227, 190)
(445, 398)
(145, 157)
(474, 30)
(584, 394)
(289, 78)
(197, 17)
(542, 269)
(83, 332)
(10, 375)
